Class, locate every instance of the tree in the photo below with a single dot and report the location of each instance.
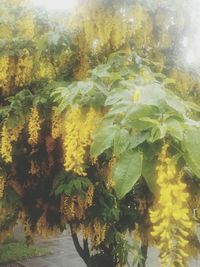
(93, 134)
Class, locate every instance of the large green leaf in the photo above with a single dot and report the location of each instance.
(149, 173)
(121, 141)
(152, 94)
(191, 144)
(138, 138)
(134, 116)
(103, 139)
(175, 103)
(174, 128)
(127, 172)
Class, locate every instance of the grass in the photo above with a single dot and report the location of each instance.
(12, 251)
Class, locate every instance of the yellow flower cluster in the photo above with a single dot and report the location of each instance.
(15, 133)
(23, 217)
(5, 31)
(184, 82)
(89, 197)
(2, 184)
(99, 233)
(46, 70)
(24, 71)
(109, 181)
(68, 207)
(80, 71)
(5, 145)
(136, 96)
(7, 137)
(56, 125)
(75, 207)
(43, 228)
(108, 28)
(25, 26)
(170, 219)
(95, 231)
(77, 138)
(4, 65)
(34, 126)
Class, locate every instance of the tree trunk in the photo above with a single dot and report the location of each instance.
(144, 250)
(82, 251)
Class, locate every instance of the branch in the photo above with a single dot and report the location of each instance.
(81, 251)
(86, 248)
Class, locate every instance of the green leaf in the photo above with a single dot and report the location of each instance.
(139, 138)
(174, 128)
(101, 71)
(152, 94)
(121, 141)
(157, 133)
(127, 172)
(191, 145)
(175, 103)
(133, 116)
(103, 139)
(114, 98)
(14, 121)
(119, 108)
(149, 174)
(194, 168)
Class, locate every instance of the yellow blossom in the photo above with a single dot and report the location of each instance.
(25, 26)
(6, 146)
(171, 220)
(89, 197)
(95, 232)
(56, 125)
(24, 70)
(2, 184)
(136, 96)
(34, 126)
(77, 137)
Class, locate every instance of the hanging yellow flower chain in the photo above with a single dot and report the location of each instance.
(95, 231)
(89, 197)
(170, 219)
(2, 185)
(24, 71)
(74, 207)
(34, 126)
(109, 179)
(4, 65)
(26, 26)
(43, 229)
(56, 125)
(78, 136)
(6, 146)
(7, 137)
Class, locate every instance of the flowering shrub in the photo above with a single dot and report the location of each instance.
(114, 153)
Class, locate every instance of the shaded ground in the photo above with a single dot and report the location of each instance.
(63, 254)
(11, 265)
